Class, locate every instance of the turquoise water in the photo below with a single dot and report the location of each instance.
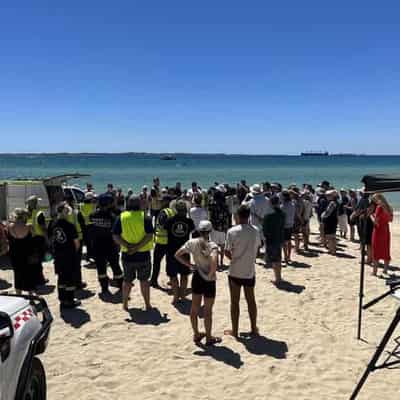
(133, 171)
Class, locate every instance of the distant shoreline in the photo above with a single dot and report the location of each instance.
(93, 154)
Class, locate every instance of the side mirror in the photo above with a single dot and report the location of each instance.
(6, 334)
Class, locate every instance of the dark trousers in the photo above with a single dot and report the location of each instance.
(108, 255)
(40, 249)
(160, 252)
(88, 241)
(66, 269)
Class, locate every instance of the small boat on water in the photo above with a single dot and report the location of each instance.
(167, 158)
(315, 154)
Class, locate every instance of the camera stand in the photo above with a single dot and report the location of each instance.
(389, 362)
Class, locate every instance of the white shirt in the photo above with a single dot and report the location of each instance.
(198, 214)
(201, 252)
(243, 241)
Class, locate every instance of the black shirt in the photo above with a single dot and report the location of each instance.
(102, 226)
(62, 235)
(138, 256)
(179, 229)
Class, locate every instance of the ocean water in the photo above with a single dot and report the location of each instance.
(133, 171)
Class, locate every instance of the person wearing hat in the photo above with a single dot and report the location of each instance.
(161, 238)
(204, 267)
(259, 206)
(105, 249)
(87, 208)
(37, 220)
(65, 245)
(242, 245)
(179, 227)
(133, 231)
(22, 252)
(330, 220)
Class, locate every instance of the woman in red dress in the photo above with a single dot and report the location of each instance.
(381, 218)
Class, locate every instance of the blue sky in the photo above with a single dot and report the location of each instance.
(212, 76)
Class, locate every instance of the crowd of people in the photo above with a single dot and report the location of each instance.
(194, 230)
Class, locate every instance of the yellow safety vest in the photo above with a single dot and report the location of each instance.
(86, 210)
(37, 230)
(133, 231)
(73, 219)
(161, 235)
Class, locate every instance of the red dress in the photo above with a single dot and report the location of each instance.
(381, 235)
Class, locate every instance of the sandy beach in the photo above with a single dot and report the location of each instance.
(307, 348)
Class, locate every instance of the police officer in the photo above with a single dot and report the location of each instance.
(161, 238)
(65, 244)
(105, 249)
(87, 208)
(76, 219)
(39, 232)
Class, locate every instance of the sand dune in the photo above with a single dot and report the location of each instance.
(307, 349)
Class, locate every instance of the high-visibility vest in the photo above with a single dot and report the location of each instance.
(86, 210)
(161, 235)
(73, 219)
(37, 230)
(132, 223)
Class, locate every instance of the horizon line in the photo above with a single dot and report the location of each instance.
(190, 154)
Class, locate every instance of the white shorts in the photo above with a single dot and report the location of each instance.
(218, 237)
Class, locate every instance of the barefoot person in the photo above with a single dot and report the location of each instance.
(205, 257)
(133, 231)
(242, 244)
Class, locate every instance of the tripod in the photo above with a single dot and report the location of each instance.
(373, 364)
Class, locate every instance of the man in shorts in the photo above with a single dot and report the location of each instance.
(179, 228)
(133, 231)
(274, 233)
(242, 244)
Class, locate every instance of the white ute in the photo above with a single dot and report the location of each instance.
(25, 323)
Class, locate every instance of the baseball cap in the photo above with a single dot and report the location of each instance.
(33, 198)
(205, 226)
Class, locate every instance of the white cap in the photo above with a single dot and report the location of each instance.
(89, 196)
(255, 188)
(33, 198)
(205, 226)
(221, 188)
